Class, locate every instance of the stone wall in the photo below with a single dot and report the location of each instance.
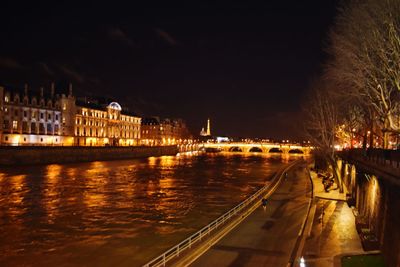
(47, 155)
(377, 201)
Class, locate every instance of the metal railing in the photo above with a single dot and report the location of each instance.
(385, 157)
(175, 251)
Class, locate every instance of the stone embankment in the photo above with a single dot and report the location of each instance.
(48, 155)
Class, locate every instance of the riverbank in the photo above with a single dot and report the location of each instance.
(47, 155)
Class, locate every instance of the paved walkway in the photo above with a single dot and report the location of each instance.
(266, 237)
(319, 190)
(330, 230)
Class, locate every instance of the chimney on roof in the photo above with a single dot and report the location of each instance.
(70, 90)
(26, 89)
(41, 91)
(52, 90)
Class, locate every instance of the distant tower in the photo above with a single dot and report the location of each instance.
(208, 128)
(208, 132)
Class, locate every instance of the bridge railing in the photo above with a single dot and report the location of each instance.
(385, 157)
(205, 231)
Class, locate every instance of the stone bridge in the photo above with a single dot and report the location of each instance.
(258, 147)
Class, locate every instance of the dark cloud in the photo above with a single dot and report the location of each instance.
(75, 75)
(10, 63)
(117, 34)
(166, 37)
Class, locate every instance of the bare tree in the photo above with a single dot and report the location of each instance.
(321, 122)
(365, 64)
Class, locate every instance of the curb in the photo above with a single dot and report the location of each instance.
(333, 199)
(299, 245)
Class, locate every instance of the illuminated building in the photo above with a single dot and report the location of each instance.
(27, 119)
(164, 132)
(62, 120)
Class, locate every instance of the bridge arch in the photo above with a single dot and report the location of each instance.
(255, 149)
(275, 150)
(296, 151)
(235, 149)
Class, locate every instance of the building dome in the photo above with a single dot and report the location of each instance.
(115, 105)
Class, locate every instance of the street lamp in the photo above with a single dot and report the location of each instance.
(302, 262)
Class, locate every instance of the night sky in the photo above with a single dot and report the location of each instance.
(246, 66)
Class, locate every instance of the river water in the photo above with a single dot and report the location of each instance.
(119, 213)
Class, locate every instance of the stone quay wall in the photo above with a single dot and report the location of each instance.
(47, 155)
(376, 197)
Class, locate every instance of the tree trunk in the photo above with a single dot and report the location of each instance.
(386, 140)
(336, 175)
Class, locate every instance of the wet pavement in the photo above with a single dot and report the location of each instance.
(332, 232)
(266, 237)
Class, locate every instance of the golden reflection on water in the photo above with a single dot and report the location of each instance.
(71, 173)
(167, 161)
(16, 198)
(152, 161)
(95, 179)
(118, 205)
(51, 190)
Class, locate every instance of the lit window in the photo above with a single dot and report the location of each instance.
(15, 125)
(6, 99)
(64, 106)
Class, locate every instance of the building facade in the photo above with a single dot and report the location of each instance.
(155, 131)
(108, 126)
(50, 119)
(27, 119)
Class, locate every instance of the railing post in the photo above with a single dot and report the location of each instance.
(164, 260)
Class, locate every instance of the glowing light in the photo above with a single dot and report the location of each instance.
(115, 105)
(302, 262)
(338, 147)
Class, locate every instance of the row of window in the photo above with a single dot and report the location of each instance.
(25, 140)
(101, 133)
(25, 101)
(35, 128)
(102, 123)
(99, 114)
(34, 114)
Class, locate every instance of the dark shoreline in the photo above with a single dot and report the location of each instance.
(24, 155)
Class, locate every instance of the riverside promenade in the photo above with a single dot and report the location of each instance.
(301, 220)
(267, 237)
(330, 232)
